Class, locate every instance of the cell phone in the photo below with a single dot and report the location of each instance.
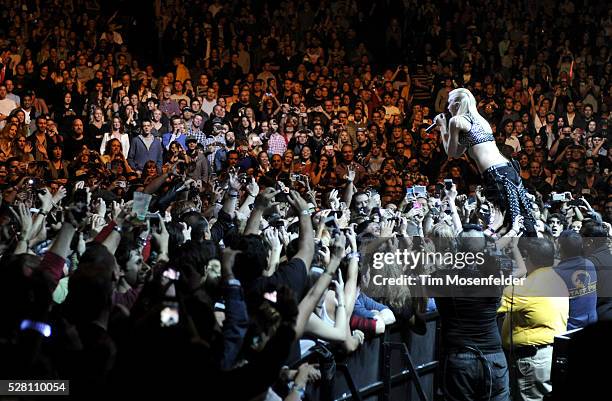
(387, 214)
(562, 197)
(410, 193)
(448, 184)
(169, 315)
(122, 184)
(420, 191)
(471, 199)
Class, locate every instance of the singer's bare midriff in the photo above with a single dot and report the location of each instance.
(486, 155)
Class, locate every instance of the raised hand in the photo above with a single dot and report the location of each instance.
(386, 228)
(46, 199)
(265, 199)
(440, 120)
(101, 207)
(338, 247)
(97, 223)
(59, 195)
(271, 237)
(351, 238)
(252, 187)
(298, 203)
(234, 181)
(334, 200)
(186, 230)
(162, 237)
(325, 255)
(350, 174)
(321, 217)
(25, 221)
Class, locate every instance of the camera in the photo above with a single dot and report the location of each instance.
(562, 197)
(169, 315)
(448, 184)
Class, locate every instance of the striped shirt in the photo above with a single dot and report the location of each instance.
(277, 144)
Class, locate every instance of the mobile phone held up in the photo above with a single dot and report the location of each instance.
(448, 184)
(281, 196)
(420, 191)
(562, 197)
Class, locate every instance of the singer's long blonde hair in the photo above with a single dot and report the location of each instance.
(467, 105)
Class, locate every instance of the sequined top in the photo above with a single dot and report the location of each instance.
(477, 134)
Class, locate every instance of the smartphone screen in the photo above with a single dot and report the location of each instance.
(420, 190)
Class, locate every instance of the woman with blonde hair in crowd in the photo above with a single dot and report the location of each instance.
(7, 137)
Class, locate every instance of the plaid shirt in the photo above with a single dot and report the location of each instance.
(208, 142)
(277, 144)
(197, 134)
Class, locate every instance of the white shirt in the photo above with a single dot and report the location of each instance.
(125, 143)
(208, 106)
(6, 106)
(514, 142)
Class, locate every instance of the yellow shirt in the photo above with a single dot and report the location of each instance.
(540, 309)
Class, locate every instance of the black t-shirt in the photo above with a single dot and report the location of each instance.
(72, 147)
(292, 274)
(470, 322)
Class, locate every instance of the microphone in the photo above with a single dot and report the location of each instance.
(432, 126)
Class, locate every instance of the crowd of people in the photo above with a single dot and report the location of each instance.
(196, 213)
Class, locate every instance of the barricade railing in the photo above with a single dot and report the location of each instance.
(396, 365)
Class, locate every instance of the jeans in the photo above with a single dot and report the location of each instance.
(531, 376)
(472, 376)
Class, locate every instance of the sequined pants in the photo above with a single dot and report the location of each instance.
(504, 187)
